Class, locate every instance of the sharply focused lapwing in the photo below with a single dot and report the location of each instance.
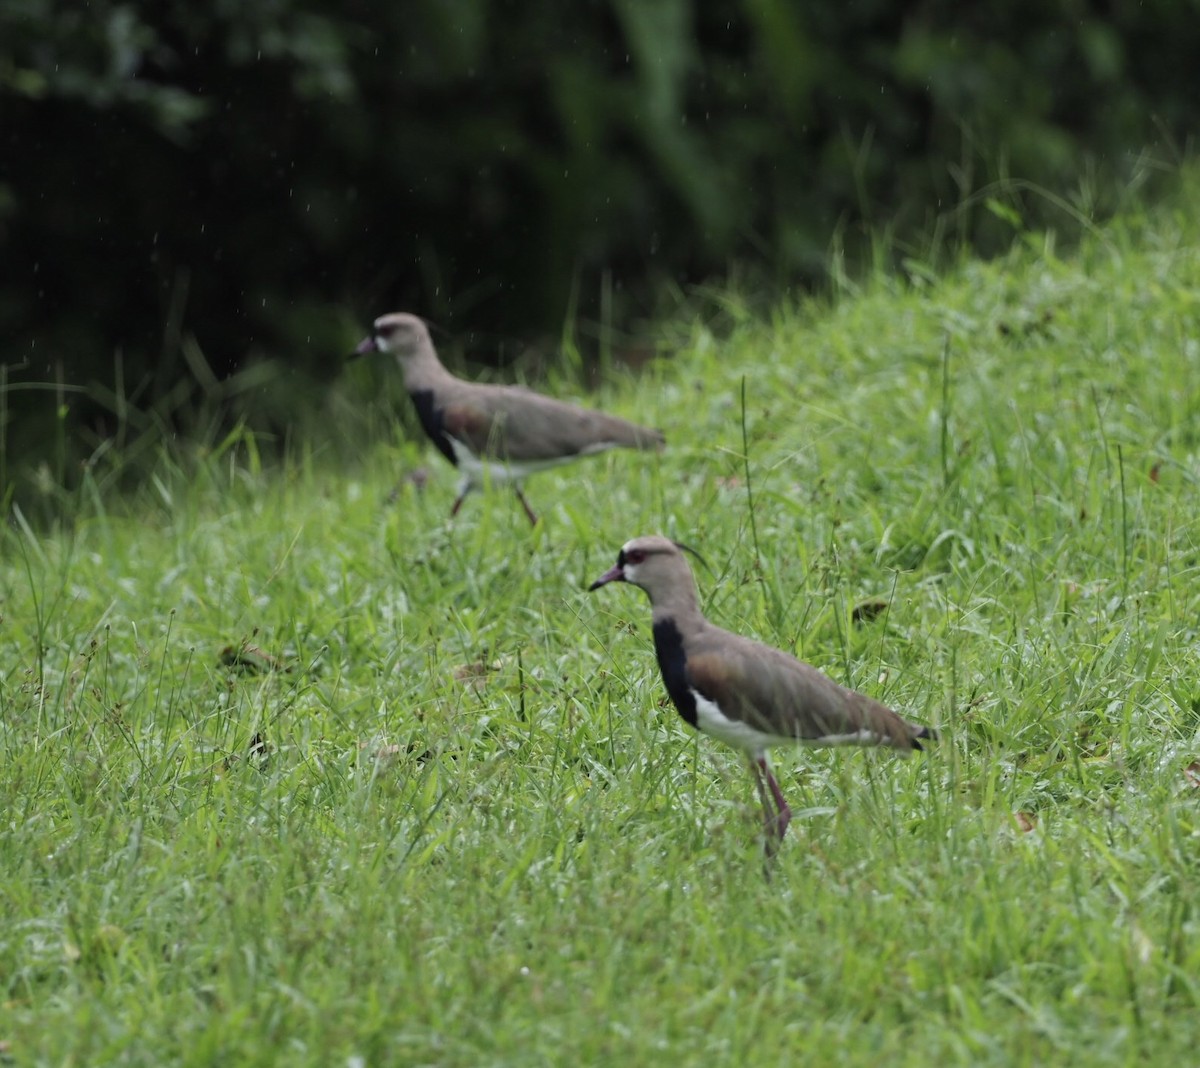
(747, 694)
(491, 431)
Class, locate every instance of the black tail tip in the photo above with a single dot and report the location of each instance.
(925, 732)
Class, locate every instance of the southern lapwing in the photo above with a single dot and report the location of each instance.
(506, 431)
(747, 694)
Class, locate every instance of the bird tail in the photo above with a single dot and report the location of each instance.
(927, 733)
(607, 431)
(648, 438)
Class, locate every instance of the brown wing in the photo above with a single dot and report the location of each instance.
(517, 424)
(778, 694)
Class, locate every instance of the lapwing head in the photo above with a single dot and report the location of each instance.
(401, 334)
(653, 563)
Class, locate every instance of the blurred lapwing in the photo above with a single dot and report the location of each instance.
(747, 694)
(490, 431)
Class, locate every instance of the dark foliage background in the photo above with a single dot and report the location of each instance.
(189, 192)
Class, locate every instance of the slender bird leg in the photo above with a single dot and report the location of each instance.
(784, 813)
(771, 835)
(464, 487)
(525, 504)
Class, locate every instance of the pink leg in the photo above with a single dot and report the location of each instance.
(777, 824)
(770, 839)
(525, 504)
(464, 487)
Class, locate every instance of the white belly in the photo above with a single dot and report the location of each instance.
(478, 471)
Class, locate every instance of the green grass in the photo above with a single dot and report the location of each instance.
(379, 853)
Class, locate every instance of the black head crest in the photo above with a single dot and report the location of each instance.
(689, 549)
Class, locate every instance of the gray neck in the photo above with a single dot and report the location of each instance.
(678, 603)
(422, 369)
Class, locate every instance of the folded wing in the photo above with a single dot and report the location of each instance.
(779, 695)
(514, 423)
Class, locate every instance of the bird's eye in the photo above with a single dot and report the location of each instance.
(636, 556)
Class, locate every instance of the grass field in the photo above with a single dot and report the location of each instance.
(297, 774)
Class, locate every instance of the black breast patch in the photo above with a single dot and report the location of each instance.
(672, 662)
(432, 422)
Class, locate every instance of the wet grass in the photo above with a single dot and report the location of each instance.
(294, 772)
